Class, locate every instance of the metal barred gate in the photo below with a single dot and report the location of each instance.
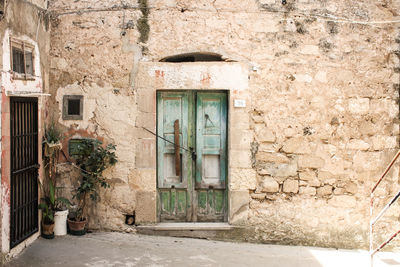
(24, 168)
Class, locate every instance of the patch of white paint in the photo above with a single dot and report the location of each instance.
(5, 223)
(321, 76)
(359, 105)
(303, 78)
(39, 3)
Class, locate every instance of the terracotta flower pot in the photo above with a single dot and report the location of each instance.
(48, 230)
(77, 227)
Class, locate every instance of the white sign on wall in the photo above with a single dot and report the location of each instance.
(239, 103)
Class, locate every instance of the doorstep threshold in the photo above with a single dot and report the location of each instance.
(186, 227)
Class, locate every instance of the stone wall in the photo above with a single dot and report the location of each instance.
(321, 119)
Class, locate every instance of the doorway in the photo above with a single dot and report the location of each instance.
(24, 168)
(192, 156)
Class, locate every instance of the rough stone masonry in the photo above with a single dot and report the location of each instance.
(321, 84)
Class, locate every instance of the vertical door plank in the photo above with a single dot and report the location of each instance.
(173, 162)
(211, 148)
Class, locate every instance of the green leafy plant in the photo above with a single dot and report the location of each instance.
(92, 159)
(49, 204)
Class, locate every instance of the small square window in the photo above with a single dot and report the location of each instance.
(22, 59)
(73, 107)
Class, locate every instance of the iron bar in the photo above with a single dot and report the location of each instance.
(373, 221)
(386, 171)
(385, 208)
(34, 166)
(371, 226)
(385, 243)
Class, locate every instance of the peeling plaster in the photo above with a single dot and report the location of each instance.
(5, 210)
(137, 56)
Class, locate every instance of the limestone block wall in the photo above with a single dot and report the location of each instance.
(321, 119)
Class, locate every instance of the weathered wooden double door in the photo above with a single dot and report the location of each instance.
(192, 156)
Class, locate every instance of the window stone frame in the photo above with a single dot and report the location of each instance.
(65, 114)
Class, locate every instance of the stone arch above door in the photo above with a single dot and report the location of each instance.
(194, 57)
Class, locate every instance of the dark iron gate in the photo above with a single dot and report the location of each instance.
(24, 168)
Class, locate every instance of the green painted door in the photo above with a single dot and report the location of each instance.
(191, 177)
(174, 192)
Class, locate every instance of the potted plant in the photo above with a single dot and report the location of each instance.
(92, 159)
(51, 142)
(48, 206)
(52, 147)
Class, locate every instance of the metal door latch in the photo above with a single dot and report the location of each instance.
(194, 156)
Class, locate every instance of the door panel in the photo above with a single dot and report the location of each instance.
(173, 204)
(211, 205)
(202, 127)
(173, 193)
(172, 107)
(211, 119)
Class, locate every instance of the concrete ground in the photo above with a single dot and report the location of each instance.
(121, 249)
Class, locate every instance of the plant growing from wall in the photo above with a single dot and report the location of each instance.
(52, 134)
(143, 23)
(50, 203)
(51, 147)
(92, 159)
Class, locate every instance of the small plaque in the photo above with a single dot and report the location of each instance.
(239, 103)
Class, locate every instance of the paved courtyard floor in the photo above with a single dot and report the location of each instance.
(121, 249)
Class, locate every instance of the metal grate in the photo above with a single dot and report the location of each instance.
(24, 168)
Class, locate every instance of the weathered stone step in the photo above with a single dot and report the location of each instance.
(187, 226)
(194, 230)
